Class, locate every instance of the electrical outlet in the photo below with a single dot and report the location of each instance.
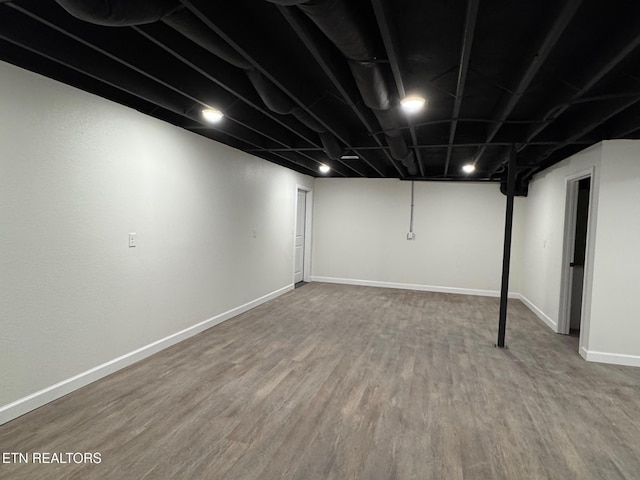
(132, 240)
(411, 236)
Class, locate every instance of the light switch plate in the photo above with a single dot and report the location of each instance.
(132, 240)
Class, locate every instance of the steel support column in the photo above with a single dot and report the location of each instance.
(506, 257)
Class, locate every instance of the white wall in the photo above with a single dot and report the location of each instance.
(543, 232)
(360, 228)
(610, 330)
(77, 174)
(615, 317)
(361, 225)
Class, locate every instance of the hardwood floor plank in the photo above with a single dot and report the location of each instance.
(346, 382)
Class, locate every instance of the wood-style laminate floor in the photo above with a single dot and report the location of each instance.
(346, 382)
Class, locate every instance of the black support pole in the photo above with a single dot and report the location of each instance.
(506, 258)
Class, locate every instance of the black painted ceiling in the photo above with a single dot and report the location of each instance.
(539, 78)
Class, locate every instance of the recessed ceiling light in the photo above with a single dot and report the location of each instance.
(212, 115)
(324, 168)
(412, 104)
(468, 168)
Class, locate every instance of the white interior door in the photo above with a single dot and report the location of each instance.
(301, 215)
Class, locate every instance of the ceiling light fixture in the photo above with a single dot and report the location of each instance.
(212, 115)
(349, 157)
(468, 168)
(412, 104)
(324, 168)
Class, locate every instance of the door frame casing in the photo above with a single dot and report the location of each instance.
(569, 236)
(306, 261)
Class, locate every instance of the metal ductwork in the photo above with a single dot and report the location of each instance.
(521, 186)
(339, 22)
(185, 22)
(118, 13)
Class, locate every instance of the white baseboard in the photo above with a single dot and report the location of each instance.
(583, 352)
(430, 288)
(539, 313)
(588, 355)
(412, 286)
(612, 358)
(591, 356)
(31, 402)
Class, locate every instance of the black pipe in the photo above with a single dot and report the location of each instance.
(536, 60)
(185, 22)
(506, 257)
(118, 13)
(465, 56)
(171, 12)
(341, 22)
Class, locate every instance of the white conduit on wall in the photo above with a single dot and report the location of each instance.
(411, 235)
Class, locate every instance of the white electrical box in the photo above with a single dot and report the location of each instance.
(411, 236)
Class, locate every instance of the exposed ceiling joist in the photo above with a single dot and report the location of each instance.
(535, 61)
(217, 71)
(303, 82)
(390, 39)
(225, 21)
(584, 130)
(597, 76)
(435, 146)
(465, 56)
(212, 68)
(337, 71)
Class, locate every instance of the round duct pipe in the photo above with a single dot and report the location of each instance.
(371, 83)
(338, 20)
(119, 13)
(185, 22)
(271, 95)
(173, 13)
(280, 103)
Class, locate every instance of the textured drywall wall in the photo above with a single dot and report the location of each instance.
(77, 175)
(543, 232)
(610, 331)
(615, 318)
(360, 228)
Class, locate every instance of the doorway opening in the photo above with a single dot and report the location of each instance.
(302, 237)
(575, 256)
(579, 256)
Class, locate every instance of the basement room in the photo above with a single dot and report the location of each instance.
(319, 239)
